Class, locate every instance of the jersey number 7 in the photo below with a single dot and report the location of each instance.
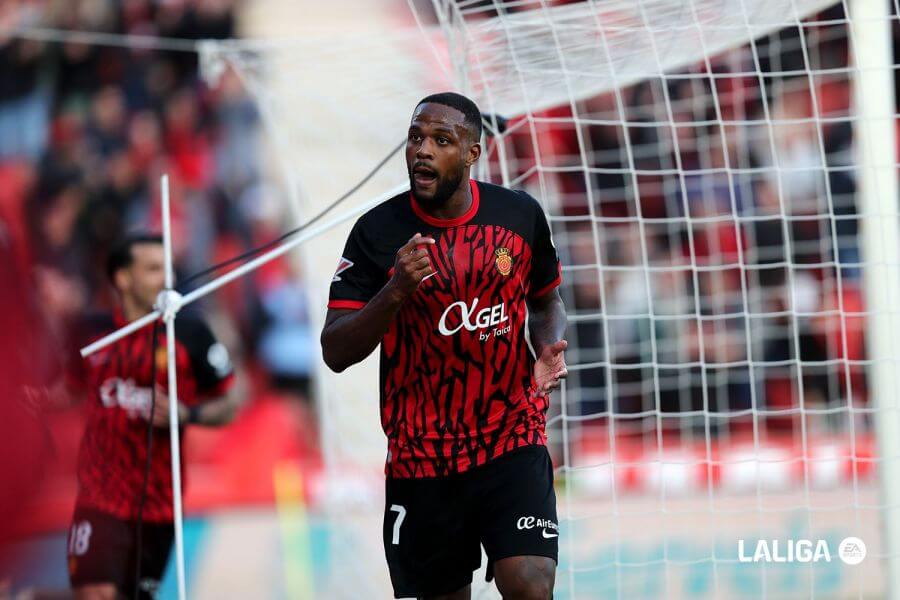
(401, 514)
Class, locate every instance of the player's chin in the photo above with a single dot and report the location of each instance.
(426, 183)
(424, 192)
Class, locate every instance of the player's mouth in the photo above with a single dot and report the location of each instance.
(424, 177)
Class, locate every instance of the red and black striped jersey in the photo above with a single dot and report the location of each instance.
(456, 373)
(112, 459)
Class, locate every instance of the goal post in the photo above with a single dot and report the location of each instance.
(878, 198)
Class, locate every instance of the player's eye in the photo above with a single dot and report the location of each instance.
(443, 141)
(415, 137)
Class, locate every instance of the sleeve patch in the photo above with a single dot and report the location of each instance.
(343, 265)
(218, 359)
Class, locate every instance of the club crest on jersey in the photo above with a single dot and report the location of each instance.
(162, 358)
(343, 265)
(503, 261)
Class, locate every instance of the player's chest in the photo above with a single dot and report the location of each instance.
(136, 362)
(471, 261)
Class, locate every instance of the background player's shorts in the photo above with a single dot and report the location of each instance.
(103, 549)
(434, 528)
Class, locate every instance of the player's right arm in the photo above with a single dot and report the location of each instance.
(349, 335)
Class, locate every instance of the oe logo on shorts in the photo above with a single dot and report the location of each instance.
(544, 524)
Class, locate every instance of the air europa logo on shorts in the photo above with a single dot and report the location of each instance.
(544, 525)
(460, 315)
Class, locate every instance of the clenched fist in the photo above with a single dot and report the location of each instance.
(412, 265)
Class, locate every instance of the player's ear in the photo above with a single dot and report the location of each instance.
(121, 279)
(474, 154)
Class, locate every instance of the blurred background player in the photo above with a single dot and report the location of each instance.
(123, 513)
(463, 399)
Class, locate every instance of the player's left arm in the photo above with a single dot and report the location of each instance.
(219, 398)
(213, 412)
(546, 312)
(546, 327)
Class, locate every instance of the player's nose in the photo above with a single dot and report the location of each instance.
(425, 149)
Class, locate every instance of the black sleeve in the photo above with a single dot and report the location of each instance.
(210, 362)
(357, 278)
(545, 268)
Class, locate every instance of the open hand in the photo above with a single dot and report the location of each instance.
(550, 367)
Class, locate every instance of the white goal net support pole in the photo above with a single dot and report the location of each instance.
(878, 199)
(172, 391)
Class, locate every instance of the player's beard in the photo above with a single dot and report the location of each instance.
(445, 187)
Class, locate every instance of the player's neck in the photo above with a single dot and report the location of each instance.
(456, 205)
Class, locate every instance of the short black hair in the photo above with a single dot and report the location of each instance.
(464, 105)
(121, 256)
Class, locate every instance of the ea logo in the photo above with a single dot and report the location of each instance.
(852, 550)
(525, 523)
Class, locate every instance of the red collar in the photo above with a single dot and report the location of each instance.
(118, 316)
(460, 220)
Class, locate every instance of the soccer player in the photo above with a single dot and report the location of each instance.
(115, 487)
(446, 278)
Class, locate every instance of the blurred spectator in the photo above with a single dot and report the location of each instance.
(287, 341)
(24, 100)
(238, 146)
(107, 122)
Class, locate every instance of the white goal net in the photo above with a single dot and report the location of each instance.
(720, 180)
